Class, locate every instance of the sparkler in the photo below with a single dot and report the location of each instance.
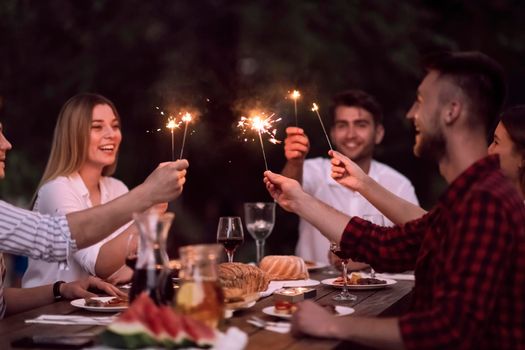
(261, 125)
(186, 118)
(172, 124)
(294, 96)
(315, 109)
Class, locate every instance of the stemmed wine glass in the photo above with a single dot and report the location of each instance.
(132, 250)
(259, 218)
(344, 295)
(378, 220)
(230, 234)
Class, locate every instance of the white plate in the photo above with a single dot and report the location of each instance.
(315, 265)
(389, 282)
(341, 311)
(299, 283)
(81, 303)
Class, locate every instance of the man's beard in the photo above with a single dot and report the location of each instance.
(431, 146)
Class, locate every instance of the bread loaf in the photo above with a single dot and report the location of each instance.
(239, 279)
(284, 267)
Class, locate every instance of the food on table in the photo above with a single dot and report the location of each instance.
(283, 307)
(239, 280)
(116, 301)
(284, 267)
(145, 324)
(242, 301)
(356, 279)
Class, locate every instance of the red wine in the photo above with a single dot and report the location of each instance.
(158, 285)
(131, 262)
(230, 244)
(341, 254)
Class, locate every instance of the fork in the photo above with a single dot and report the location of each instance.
(256, 321)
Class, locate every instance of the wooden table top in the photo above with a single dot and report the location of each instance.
(389, 301)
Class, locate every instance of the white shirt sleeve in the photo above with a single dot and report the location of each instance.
(407, 192)
(62, 196)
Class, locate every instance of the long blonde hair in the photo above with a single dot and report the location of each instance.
(69, 149)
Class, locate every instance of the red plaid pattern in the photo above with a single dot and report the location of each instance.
(468, 253)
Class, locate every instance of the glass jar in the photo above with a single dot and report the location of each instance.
(152, 271)
(200, 294)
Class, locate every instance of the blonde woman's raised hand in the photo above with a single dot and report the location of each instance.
(166, 182)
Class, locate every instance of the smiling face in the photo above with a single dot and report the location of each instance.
(104, 137)
(424, 113)
(4, 147)
(355, 133)
(510, 159)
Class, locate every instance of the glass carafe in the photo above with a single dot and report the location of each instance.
(152, 272)
(200, 294)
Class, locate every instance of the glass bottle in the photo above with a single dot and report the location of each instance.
(152, 272)
(200, 294)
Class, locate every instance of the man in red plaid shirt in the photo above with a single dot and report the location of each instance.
(468, 252)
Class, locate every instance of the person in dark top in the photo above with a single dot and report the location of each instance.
(468, 252)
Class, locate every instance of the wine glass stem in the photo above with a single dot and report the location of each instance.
(345, 277)
(260, 250)
(230, 256)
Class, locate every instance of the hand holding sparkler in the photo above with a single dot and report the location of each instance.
(296, 145)
(315, 109)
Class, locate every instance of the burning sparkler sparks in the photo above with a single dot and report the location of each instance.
(315, 109)
(262, 125)
(294, 96)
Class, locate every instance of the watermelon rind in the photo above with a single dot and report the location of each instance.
(127, 339)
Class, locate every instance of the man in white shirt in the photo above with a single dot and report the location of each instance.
(50, 238)
(357, 127)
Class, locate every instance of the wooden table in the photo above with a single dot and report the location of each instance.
(389, 301)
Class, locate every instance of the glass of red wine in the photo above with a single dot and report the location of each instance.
(230, 234)
(345, 295)
(132, 250)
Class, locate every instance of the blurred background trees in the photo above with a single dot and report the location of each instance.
(222, 57)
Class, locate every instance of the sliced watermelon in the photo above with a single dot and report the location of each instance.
(201, 334)
(128, 335)
(145, 324)
(173, 324)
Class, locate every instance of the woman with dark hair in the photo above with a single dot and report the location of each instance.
(509, 143)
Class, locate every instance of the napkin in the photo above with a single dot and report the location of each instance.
(278, 327)
(73, 320)
(272, 287)
(397, 276)
(233, 339)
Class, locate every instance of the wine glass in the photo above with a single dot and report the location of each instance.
(132, 250)
(344, 295)
(230, 234)
(378, 220)
(259, 218)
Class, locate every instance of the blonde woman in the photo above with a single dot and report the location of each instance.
(78, 176)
